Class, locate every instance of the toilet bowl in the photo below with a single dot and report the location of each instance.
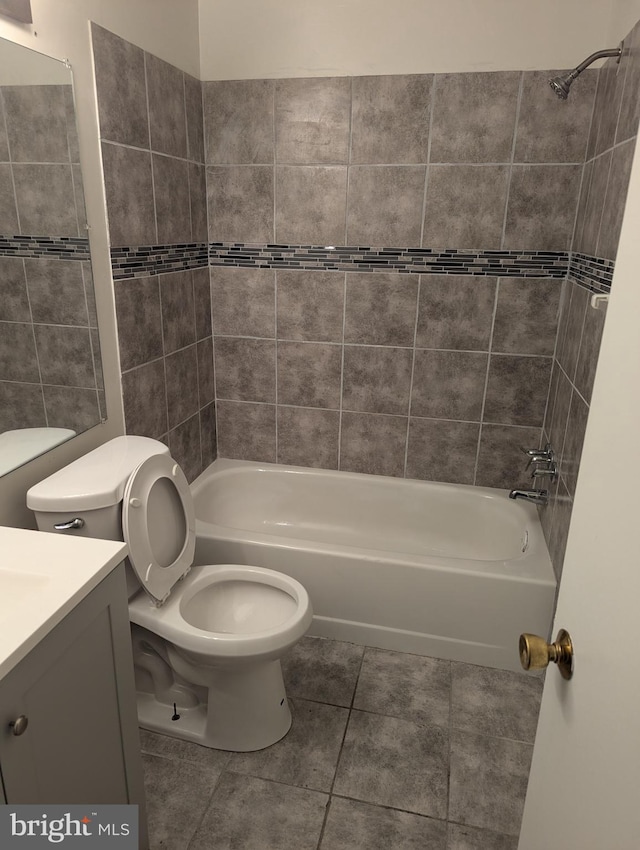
(207, 640)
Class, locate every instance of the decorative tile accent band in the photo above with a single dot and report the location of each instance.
(62, 247)
(143, 261)
(593, 273)
(412, 260)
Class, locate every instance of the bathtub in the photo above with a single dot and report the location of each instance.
(445, 570)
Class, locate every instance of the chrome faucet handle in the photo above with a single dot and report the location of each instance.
(547, 450)
(550, 470)
(544, 455)
(542, 458)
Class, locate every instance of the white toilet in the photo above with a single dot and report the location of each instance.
(207, 640)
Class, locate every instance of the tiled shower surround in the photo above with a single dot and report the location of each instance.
(436, 366)
(50, 372)
(153, 157)
(610, 149)
(386, 259)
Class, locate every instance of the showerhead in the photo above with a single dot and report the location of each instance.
(561, 84)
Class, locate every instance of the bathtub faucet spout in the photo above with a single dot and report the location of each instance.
(538, 497)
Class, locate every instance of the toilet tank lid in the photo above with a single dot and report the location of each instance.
(95, 480)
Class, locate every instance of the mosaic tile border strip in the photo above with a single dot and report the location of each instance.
(62, 247)
(143, 261)
(408, 260)
(593, 273)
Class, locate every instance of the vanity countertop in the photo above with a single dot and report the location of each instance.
(42, 577)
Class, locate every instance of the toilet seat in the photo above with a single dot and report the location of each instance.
(159, 525)
(169, 622)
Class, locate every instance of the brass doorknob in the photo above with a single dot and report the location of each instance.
(536, 653)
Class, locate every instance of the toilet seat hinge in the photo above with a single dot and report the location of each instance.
(160, 602)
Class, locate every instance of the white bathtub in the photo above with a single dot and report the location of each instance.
(435, 569)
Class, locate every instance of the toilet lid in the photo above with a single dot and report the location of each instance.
(158, 521)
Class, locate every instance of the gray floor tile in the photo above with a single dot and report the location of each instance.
(470, 838)
(361, 826)
(178, 794)
(488, 781)
(400, 685)
(322, 670)
(253, 814)
(495, 702)
(174, 748)
(395, 763)
(308, 755)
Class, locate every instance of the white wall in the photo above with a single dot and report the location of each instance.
(624, 15)
(244, 39)
(168, 28)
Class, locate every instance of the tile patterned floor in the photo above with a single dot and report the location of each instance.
(387, 751)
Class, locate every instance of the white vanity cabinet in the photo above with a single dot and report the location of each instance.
(68, 723)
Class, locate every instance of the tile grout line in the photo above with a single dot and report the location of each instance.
(209, 267)
(604, 201)
(512, 158)
(344, 288)
(554, 364)
(349, 165)
(413, 364)
(91, 345)
(624, 86)
(35, 345)
(342, 349)
(164, 367)
(207, 806)
(150, 152)
(13, 178)
(341, 164)
(427, 165)
(344, 736)
(201, 406)
(335, 344)
(486, 380)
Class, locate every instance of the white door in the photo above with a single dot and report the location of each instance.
(584, 790)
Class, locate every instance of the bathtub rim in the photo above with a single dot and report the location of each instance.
(533, 566)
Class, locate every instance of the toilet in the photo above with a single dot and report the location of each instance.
(207, 640)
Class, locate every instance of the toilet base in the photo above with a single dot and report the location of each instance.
(246, 710)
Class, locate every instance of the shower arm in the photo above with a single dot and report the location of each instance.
(599, 54)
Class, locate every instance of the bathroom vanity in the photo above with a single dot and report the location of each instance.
(68, 724)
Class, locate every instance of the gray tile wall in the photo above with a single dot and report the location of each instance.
(475, 160)
(603, 193)
(39, 147)
(432, 376)
(50, 372)
(153, 159)
(50, 368)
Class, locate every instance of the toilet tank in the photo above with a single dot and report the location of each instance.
(91, 488)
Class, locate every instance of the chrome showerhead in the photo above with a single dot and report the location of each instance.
(561, 84)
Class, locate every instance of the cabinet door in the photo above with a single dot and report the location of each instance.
(68, 687)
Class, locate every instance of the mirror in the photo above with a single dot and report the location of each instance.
(51, 385)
